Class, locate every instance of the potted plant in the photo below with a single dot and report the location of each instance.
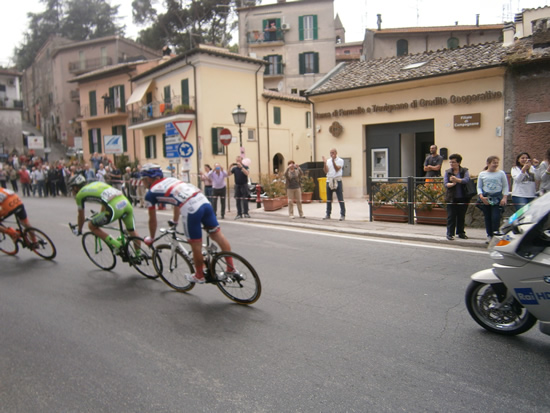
(275, 191)
(430, 205)
(308, 186)
(390, 203)
(183, 109)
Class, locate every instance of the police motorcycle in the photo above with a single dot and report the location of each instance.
(511, 296)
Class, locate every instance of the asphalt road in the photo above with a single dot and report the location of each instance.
(344, 324)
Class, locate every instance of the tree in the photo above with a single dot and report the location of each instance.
(73, 19)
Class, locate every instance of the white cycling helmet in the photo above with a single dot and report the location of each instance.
(151, 170)
(77, 180)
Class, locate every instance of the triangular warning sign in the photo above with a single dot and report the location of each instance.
(183, 127)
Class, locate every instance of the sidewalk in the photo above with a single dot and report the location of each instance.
(358, 222)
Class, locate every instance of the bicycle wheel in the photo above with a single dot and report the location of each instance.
(172, 269)
(239, 281)
(8, 245)
(141, 258)
(98, 251)
(42, 245)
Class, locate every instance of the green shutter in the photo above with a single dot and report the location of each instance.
(302, 63)
(215, 141)
(314, 27)
(167, 97)
(301, 27)
(124, 140)
(147, 149)
(91, 141)
(315, 62)
(280, 70)
(266, 70)
(93, 104)
(122, 99)
(164, 145)
(154, 146)
(276, 115)
(185, 92)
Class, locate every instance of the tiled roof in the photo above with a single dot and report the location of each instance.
(271, 94)
(391, 70)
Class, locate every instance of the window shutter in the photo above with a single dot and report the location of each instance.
(122, 99)
(91, 141)
(167, 97)
(302, 63)
(280, 70)
(164, 145)
(93, 104)
(147, 148)
(301, 27)
(154, 154)
(278, 23)
(276, 115)
(266, 70)
(124, 141)
(185, 92)
(215, 141)
(314, 27)
(315, 62)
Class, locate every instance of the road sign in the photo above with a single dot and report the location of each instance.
(172, 150)
(225, 137)
(183, 127)
(185, 150)
(113, 144)
(170, 129)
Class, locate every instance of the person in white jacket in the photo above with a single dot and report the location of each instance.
(523, 180)
(543, 174)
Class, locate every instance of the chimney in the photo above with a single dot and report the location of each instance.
(508, 33)
(518, 20)
(477, 20)
(379, 21)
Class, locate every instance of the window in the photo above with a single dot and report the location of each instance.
(116, 96)
(217, 147)
(402, 47)
(167, 95)
(185, 92)
(94, 140)
(272, 30)
(307, 27)
(121, 130)
(309, 62)
(276, 115)
(308, 120)
(452, 43)
(103, 56)
(251, 134)
(150, 146)
(275, 65)
(93, 104)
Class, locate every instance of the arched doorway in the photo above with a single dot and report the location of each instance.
(278, 163)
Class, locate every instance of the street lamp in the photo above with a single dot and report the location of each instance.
(239, 117)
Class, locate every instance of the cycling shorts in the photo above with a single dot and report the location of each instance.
(117, 208)
(197, 214)
(18, 211)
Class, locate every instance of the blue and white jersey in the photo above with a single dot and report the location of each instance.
(172, 191)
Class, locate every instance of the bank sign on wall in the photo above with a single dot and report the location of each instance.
(415, 104)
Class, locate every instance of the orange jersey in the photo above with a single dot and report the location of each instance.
(8, 202)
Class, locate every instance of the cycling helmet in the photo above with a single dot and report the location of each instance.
(151, 170)
(77, 180)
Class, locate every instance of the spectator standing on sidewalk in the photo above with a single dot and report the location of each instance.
(240, 172)
(457, 202)
(543, 174)
(523, 180)
(293, 177)
(432, 164)
(25, 179)
(205, 178)
(13, 179)
(3, 176)
(334, 168)
(219, 188)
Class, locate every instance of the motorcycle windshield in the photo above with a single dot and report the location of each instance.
(532, 212)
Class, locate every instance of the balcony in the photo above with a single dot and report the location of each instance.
(75, 95)
(265, 37)
(79, 67)
(8, 103)
(157, 112)
(109, 111)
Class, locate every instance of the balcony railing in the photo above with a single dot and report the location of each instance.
(158, 109)
(265, 36)
(106, 110)
(8, 103)
(274, 69)
(89, 64)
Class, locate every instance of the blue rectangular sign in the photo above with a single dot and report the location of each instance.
(170, 129)
(172, 150)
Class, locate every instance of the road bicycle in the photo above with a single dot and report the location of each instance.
(31, 238)
(133, 251)
(239, 281)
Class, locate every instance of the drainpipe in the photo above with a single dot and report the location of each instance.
(314, 135)
(267, 131)
(133, 130)
(258, 124)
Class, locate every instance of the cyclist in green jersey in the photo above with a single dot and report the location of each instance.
(114, 206)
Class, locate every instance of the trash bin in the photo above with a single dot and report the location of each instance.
(323, 189)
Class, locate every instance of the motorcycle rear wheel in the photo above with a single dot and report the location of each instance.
(483, 305)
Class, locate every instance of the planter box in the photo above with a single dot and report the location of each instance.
(273, 204)
(389, 213)
(307, 197)
(437, 216)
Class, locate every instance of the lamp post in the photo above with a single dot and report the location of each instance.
(239, 117)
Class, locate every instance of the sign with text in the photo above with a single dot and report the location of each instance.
(172, 150)
(35, 142)
(469, 120)
(113, 144)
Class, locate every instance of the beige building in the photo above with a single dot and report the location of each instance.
(11, 106)
(296, 38)
(195, 94)
(51, 103)
(383, 115)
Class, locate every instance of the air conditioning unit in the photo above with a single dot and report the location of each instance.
(285, 26)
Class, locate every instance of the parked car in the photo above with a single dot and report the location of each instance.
(73, 152)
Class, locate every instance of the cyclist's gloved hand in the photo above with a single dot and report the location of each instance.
(172, 223)
(148, 241)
